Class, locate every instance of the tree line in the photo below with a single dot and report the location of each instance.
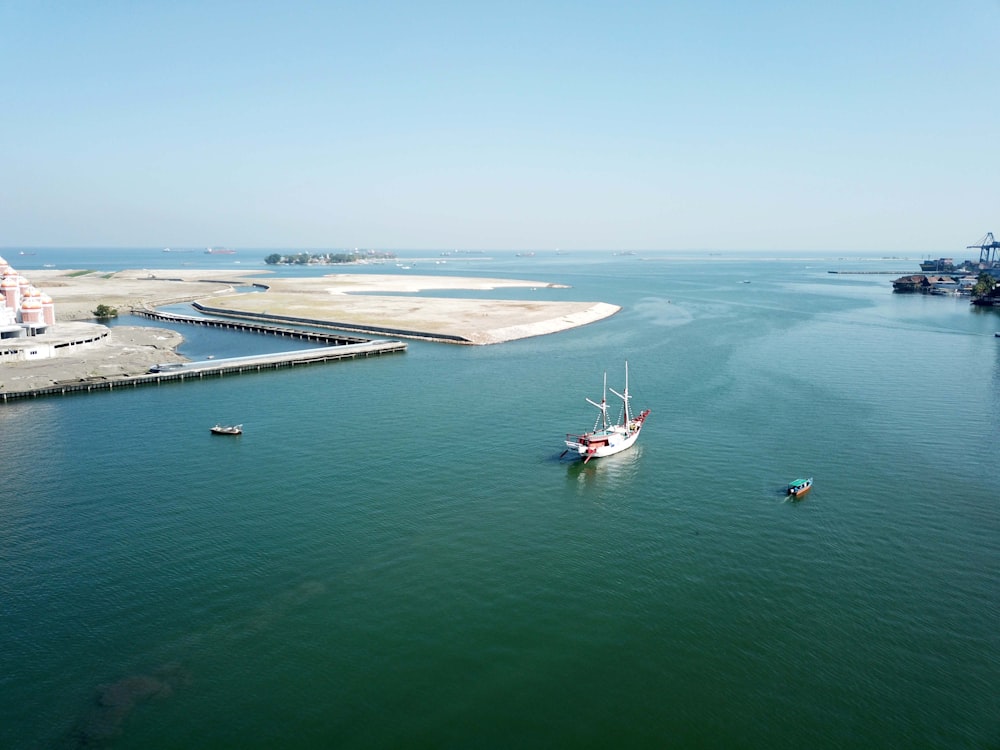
(303, 259)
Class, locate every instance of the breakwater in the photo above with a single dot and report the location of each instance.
(375, 330)
(182, 371)
(333, 339)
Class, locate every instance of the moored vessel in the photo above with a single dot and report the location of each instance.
(800, 487)
(608, 438)
(232, 429)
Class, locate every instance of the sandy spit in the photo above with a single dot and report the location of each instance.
(352, 301)
(348, 299)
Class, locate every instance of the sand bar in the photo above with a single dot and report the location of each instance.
(352, 300)
(355, 302)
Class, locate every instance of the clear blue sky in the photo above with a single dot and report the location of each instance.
(721, 125)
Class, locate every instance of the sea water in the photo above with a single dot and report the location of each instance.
(395, 554)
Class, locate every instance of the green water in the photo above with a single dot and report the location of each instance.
(394, 555)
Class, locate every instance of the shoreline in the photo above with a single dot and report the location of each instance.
(350, 299)
(341, 301)
(111, 354)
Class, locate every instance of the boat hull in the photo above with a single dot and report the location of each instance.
(799, 487)
(587, 451)
(606, 442)
(611, 438)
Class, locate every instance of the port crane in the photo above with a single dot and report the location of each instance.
(989, 249)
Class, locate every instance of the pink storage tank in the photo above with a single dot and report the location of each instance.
(31, 311)
(48, 309)
(22, 289)
(11, 292)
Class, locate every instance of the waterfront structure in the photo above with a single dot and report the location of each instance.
(941, 265)
(26, 314)
(935, 284)
(989, 250)
(24, 309)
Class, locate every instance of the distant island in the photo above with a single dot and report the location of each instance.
(327, 259)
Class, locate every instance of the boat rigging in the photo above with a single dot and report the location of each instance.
(608, 438)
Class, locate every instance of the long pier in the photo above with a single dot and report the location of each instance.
(183, 371)
(332, 339)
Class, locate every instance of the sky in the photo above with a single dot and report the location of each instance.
(712, 125)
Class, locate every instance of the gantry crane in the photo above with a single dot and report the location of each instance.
(989, 249)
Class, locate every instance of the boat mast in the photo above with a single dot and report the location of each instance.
(603, 406)
(624, 396)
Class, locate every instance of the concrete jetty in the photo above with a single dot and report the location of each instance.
(199, 370)
(332, 339)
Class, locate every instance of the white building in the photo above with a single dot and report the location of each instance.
(24, 309)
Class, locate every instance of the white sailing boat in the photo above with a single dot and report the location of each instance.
(608, 438)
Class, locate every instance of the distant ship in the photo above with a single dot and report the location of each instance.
(941, 265)
(219, 251)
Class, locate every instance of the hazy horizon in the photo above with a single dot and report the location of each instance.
(472, 253)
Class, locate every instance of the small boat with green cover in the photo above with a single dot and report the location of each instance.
(800, 487)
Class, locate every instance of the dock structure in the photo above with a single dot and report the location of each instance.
(331, 339)
(293, 320)
(989, 249)
(199, 370)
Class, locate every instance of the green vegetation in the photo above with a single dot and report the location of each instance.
(305, 259)
(78, 273)
(103, 312)
(986, 287)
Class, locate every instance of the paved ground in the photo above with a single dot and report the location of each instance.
(126, 351)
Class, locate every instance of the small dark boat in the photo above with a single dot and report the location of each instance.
(233, 429)
(800, 487)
